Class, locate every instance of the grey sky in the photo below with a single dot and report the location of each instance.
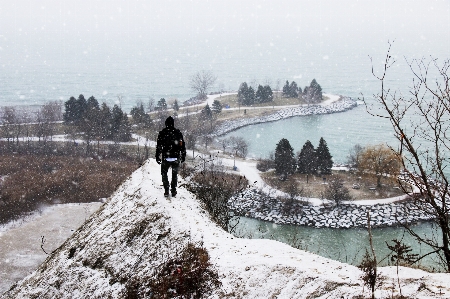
(109, 20)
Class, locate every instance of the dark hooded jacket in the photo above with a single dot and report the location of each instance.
(170, 142)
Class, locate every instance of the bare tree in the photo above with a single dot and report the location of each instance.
(224, 142)
(47, 115)
(9, 119)
(239, 145)
(379, 160)
(150, 104)
(421, 126)
(201, 82)
(354, 155)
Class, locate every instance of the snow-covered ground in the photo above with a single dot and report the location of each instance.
(20, 241)
(98, 259)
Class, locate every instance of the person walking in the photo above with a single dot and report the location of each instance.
(170, 145)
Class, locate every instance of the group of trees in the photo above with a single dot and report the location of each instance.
(237, 145)
(26, 122)
(310, 94)
(140, 117)
(309, 160)
(208, 113)
(247, 95)
(95, 121)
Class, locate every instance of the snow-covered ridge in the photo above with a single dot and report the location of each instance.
(341, 105)
(137, 229)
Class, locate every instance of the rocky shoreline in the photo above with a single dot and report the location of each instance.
(255, 204)
(343, 104)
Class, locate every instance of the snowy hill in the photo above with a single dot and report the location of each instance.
(138, 229)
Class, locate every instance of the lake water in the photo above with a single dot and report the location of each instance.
(341, 131)
(345, 245)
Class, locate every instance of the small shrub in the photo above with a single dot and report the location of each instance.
(369, 267)
(213, 186)
(188, 275)
(264, 165)
(337, 191)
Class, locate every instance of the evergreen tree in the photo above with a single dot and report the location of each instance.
(175, 106)
(293, 90)
(116, 120)
(124, 129)
(81, 106)
(314, 92)
(139, 116)
(249, 97)
(70, 115)
(284, 158)
(216, 106)
(260, 96)
(74, 110)
(90, 122)
(161, 105)
(286, 89)
(206, 113)
(105, 122)
(268, 94)
(242, 93)
(324, 161)
(307, 159)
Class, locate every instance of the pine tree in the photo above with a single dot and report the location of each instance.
(314, 92)
(293, 90)
(69, 115)
(162, 105)
(90, 123)
(105, 122)
(307, 159)
(175, 106)
(242, 93)
(260, 96)
(216, 106)
(74, 110)
(250, 97)
(124, 129)
(324, 161)
(116, 120)
(284, 158)
(286, 89)
(268, 94)
(139, 116)
(206, 113)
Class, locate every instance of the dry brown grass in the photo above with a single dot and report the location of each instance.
(314, 186)
(29, 181)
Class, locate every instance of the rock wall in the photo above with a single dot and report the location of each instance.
(255, 204)
(344, 104)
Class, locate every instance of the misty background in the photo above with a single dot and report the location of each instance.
(52, 50)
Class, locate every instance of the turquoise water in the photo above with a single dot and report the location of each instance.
(341, 131)
(345, 245)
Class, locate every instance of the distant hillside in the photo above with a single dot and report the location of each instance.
(139, 236)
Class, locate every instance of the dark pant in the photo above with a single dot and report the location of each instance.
(164, 169)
